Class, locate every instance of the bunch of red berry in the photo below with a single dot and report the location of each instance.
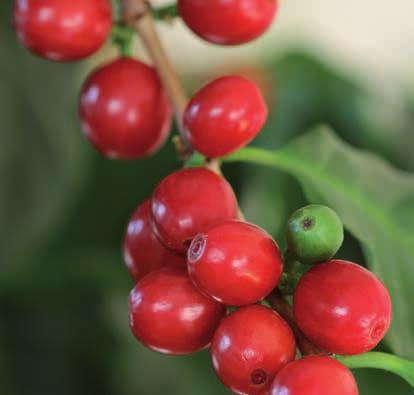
(123, 107)
(178, 305)
(186, 247)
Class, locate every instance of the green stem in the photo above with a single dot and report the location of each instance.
(123, 37)
(195, 160)
(293, 271)
(120, 32)
(380, 360)
(166, 12)
(259, 156)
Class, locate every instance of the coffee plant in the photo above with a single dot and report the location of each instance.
(277, 322)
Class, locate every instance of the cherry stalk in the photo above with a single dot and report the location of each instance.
(137, 15)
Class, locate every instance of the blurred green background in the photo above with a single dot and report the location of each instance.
(63, 209)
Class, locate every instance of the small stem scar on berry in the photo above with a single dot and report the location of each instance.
(137, 14)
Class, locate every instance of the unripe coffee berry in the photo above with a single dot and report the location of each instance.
(169, 315)
(314, 375)
(342, 307)
(235, 263)
(314, 233)
(228, 22)
(189, 201)
(62, 30)
(124, 110)
(143, 252)
(224, 115)
(250, 346)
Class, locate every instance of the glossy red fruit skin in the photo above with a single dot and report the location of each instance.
(314, 375)
(169, 315)
(124, 110)
(224, 115)
(142, 251)
(228, 22)
(342, 307)
(62, 30)
(188, 201)
(250, 346)
(235, 263)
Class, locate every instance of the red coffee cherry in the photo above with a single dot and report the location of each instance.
(224, 115)
(169, 315)
(62, 30)
(228, 22)
(143, 253)
(189, 201)
(250, 346)
(342, 307)
(235, 263)
(314, 375)
(124, 109)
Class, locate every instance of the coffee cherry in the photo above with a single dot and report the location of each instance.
(235, 263)
(187, 202)
(62, 30)
(314, 375)
(342, 307)
(169, 315)
(250, 346)
(143, 253)
(314, 233)
(224, 115)
(124, 109)
(228, 22)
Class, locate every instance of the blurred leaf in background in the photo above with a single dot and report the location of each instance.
(63, 208)
(42, 158)
(304, 93)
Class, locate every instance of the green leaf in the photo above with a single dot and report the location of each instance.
(380, 360)
(380, 382)
(375, 201)
(308, 92)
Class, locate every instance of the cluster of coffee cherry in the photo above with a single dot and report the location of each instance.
(123, 107)
(191, 255)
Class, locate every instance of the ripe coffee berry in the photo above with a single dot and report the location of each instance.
(314, 375)
(228, 22)
(250, 346)
(169, 315)
(62, 30)
(314, 233)
(189, 201)
(124, 109)
(235, 263)
(342, 307)
(143, 253)
(224, 115)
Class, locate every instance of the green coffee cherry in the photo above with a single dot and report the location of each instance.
(314, 233)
